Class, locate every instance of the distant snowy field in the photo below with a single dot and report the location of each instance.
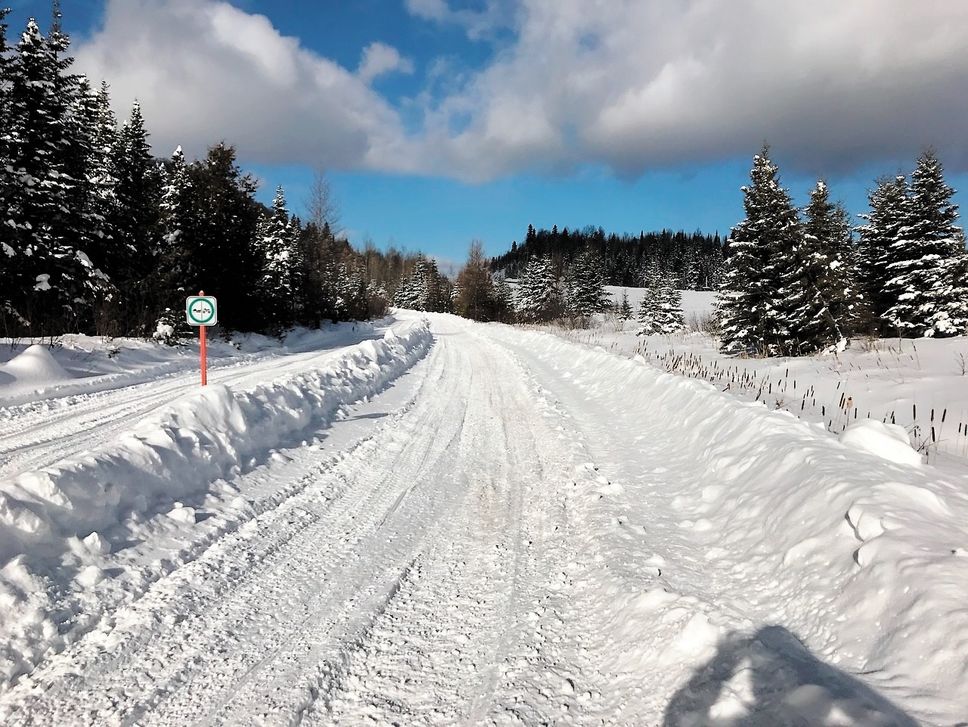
(694, 302)
(920, 384)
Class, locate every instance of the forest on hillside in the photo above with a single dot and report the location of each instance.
(693, 261)
(99, 236)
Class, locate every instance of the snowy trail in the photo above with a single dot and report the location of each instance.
(328, 606)
(32, 437)
(514, 533)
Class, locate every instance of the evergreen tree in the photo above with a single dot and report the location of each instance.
(278, 247)
(890, 204)
(926, 262)
(53, 282)
(225, 257)
(539, 298)
(136, 227)
(671, 318)
(648, 313)
(624, 309)
(759, 293)
(829, 302)
(504, 301)
(585, 286)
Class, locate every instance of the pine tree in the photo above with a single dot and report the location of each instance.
(585, 286)
(276, 246)
(829, 303)
(53, 282)
(539, 298)
(926, 262)
(890, 204)
(136, 227)
(225, 220)
(669, 316)
(758, 295)
(624, 309)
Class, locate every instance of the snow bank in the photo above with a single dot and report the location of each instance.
(82, 365)
(852, 545)
(176, 457)
(33, 368)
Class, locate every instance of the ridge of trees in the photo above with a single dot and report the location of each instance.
(691, 261)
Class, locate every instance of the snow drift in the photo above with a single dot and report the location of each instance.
(180, 455)
(853, 545)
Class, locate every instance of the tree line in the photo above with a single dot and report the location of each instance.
(797, 283)
(691, 261)
(99, 236)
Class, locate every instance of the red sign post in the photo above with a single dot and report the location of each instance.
(203, 349)
(202, 311)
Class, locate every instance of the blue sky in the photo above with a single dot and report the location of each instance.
(470, 120)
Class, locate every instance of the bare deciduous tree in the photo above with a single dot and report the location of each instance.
(321, 205)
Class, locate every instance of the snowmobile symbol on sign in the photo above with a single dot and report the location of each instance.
(201, 310)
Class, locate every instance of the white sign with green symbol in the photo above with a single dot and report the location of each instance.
(201, 310)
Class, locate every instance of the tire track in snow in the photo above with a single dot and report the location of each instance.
(422, 578)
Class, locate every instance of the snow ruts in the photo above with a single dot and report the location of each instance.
(409, 582)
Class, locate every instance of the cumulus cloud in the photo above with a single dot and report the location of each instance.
(630, 84)
(379, 58)
(204, 70)
(637, 84)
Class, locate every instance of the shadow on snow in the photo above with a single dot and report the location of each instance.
(770, 679)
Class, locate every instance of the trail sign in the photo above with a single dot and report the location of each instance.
(201, 310)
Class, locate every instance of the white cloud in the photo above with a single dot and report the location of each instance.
(205, 70)
(635, 84)
(379, 58)
(429, 9)
(631, 84)
(478, 23)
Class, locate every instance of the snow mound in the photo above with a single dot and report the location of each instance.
(34, 367)
(887, 441)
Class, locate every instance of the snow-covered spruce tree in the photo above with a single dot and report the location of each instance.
(352, 302)
(927, 261)
(585, 286)
(52, 282)
(504, 301)
(539, 297)
(426, 289)
(225, 255)
(176, 272)
(11, 320)
(624, 309)
(668, 317)
(648, 313)
(408, 293)
(95, 134)
(137, 230)
(758, 295)
(278, 249)
(890, 211)
(829, 302)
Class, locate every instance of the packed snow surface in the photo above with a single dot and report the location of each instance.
(453, 522)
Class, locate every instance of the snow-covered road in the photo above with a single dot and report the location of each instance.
(504, 529)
